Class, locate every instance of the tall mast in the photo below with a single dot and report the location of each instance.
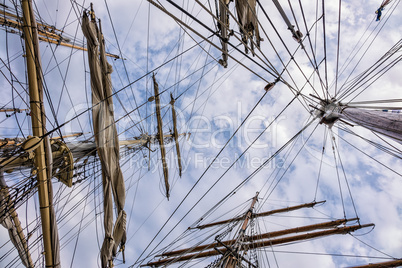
(160, 136)
(262, 214)
(230, 258)
(175, 134)
(50, 237)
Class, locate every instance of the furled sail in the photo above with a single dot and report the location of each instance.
(106, 140)
(383, 122)
(11, 222)
(381, 8)
(389, 124)
(246, 13)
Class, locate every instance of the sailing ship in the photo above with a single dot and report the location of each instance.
(297, 102)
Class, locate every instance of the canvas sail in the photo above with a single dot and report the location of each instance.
(246, 12)
(106, 140)
(389, 124)
(11, 223)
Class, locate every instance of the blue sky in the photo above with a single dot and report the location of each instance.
(212, 109)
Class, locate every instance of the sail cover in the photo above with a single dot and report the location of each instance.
(246, 13)
(10, 224)
(106, 140)
(389, 124)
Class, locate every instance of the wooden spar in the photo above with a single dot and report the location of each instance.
(144, 141)
(5, 142)
(68, 136)
(223, 26)
(13, 110)
(8, 164)
(8, 143)
(248, 217)
(37, 112)
(395, 263)
(281, 210)
(175, 133)
(43, 32)
(296, 34)
(330, 224)
(263, 214)
(230, 259)
(160, 135)
(260, 244)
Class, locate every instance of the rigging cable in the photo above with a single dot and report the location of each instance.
(338, 46)
(199, 179)
(321, 161)
(204, 172)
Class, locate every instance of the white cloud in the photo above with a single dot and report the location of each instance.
(218, 103)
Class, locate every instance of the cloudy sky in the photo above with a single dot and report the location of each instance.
(230, 117)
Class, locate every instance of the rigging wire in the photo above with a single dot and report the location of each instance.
(315, 64)
(242, 183)
(344, 173)
(364, 53)
(124, 65)
(372, 158)
(193, 106)
(321, 161)
(79, 228)
(292, 59)
(199, 179)
(337, 172)
(338, 47)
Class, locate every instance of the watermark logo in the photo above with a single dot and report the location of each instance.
(203, 161)
(207, 134)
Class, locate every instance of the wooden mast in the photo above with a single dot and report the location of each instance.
(175, 133)
(230, 259)
(37, 115)
(160, 136)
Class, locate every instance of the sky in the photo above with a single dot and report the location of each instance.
(363, 182)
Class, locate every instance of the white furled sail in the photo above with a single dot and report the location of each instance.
(11, 222)
(106, 140)
(389, 124)
(248, 23)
